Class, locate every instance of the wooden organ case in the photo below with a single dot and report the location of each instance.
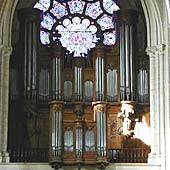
(83, 96)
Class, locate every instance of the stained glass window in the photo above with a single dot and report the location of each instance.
(105, 22)
(44, 37)
(110, 6)
(93, 10)
(59, 10)
(42, 5)
(77, 24)
(109, 38)
(76, 6)
(47, 22)
(77, 35)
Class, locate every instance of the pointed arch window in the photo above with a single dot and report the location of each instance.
(77, 24)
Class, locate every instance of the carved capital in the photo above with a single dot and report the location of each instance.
(100, 107)
(155, 50)
(151, 51)
(161, 49)
(5, 51)
(56, 106)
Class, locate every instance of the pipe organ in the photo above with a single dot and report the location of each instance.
(82, 95)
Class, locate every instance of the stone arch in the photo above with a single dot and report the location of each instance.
(155, 37)
(153, 23)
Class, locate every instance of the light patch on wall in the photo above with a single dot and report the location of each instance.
(142, 130)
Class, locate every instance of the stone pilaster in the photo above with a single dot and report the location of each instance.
(162, 97)
(167, 105)
(1, 72)
(5, 53)
(154, 156)
(157, 103)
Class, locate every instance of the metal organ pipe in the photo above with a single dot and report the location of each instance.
(56, 130)
(78, 83)
(29, 23)
(56, 73)
(126, 20)
(131, 62)
(100, 111)
(99, 79)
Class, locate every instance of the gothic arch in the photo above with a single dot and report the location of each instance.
(155, 37)
(153, 23)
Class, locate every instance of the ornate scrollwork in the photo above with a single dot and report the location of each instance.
(113, 126)
(57, 107)
(100, 108)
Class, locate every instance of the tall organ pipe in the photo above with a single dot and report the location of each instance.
(56, 73)
(29, 23)
(127, 20)
(100, 75)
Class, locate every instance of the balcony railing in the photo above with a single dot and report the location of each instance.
(125, 155)
(29, 155)
(128, 155)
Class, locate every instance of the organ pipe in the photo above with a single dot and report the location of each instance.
(56, 73)
(127, 20)
(99, 73)
(56, 131)
(100, 78)
(100, 116)
(29, 23)
(78, 79)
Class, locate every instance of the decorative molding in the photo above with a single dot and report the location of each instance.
(113, 126)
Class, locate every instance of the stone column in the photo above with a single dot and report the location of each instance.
(167, 105)
(5, 53)
(156, 103)
(162, 104)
